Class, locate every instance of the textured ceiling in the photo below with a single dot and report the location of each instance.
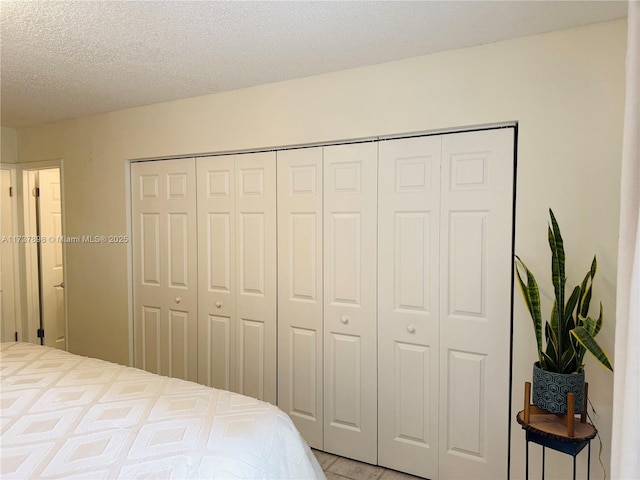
(63, 59)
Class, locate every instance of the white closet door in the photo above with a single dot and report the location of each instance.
(475, 272)
(217, 272)
(255, 176)
(350, 253)
(408, 304)
(165, 268)
(300, 380)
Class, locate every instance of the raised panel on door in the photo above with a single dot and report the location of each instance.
(300, 380)
(408, 304)
(148, 338)
(255, 281)
(178, 330)
(475, 299)
(350, 331)
(217, 324)
(165, 267)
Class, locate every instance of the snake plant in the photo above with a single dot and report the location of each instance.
(570, 331)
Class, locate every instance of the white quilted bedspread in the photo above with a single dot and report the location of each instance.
(66, 416)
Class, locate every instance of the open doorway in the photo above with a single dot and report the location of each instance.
(44, 256)
(10, 327)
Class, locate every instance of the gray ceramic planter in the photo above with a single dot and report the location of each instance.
(550, 390)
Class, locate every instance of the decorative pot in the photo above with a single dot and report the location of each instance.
(550, 390)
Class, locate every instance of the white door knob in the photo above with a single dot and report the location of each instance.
(218, 304)
(411, 329)
(344, 319)
(178, 299)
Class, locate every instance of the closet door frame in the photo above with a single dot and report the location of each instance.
(331, 330)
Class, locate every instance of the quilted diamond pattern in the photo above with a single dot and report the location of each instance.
(66, 416)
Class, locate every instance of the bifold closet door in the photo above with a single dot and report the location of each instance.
(475, 302)
(256, 336)
(165, 267)
(300, 298)
(408, 304)
(237, 279)
(445, 254)
(216, 272)
(350, 331)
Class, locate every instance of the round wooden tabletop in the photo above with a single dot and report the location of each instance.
(554, 426)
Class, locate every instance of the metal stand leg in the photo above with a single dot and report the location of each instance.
(574, 467)
(526, 473)
(589, 460)
(543, 451)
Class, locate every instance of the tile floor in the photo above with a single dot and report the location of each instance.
(339, 468)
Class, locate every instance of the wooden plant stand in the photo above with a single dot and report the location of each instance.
(558, 432)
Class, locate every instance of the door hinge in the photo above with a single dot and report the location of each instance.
(41, 333)
(11, 191)
(36, 192)
(16, 336)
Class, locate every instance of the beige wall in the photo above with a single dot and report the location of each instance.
(9, 141)
(565, 89)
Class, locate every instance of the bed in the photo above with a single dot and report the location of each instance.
(67, 416)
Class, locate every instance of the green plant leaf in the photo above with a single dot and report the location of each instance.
(552, 352)
(553, 321)
(599, 322)
(571, 304)
(585, 338)
(557, 273)
(569, 320)
(586, 289)
(549, 364)
(531, 296)
(568, 361)
(580, 351)
(589, 324)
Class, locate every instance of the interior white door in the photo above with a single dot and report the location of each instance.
(216, 272)
(165, 267)
(256, 329)
(475, 300)
(300, 298)
(350, 254)
(51, 258)
(408, 304)
(8, 328)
